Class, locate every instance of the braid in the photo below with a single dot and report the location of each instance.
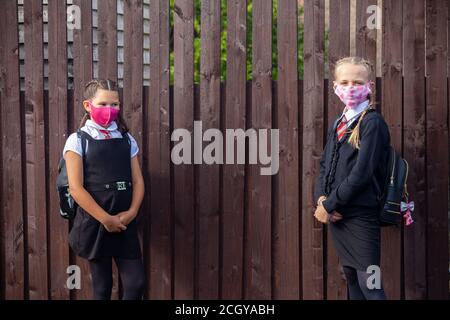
(354, 139)
(85, 118)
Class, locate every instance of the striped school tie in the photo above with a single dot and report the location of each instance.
(105, 133)
(342, 128)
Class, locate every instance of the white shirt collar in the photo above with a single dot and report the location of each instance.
(351, 114)
(92, 124)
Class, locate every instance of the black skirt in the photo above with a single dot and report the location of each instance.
(357, 240)
(90, 240)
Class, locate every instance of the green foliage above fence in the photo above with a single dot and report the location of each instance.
(223, 41)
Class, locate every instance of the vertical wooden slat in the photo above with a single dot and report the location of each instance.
(366, 36)
(159, 153)
(144, 219)
(107, 39)
(259, 224)
(208, 174)
(448, 100)
(437, 142)
(82, 58)
(392, 112)
(57, 129)
(233, 174)
(414, 146)
(286, 188)
(132, 68)
(183, 174)
(35, 151)
(339, 47)
(300, 191)
(313, 135)
(12, 229)
(2, 249)
(82, 74)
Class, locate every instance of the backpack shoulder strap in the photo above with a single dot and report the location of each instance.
(125, 135)
(81, 136)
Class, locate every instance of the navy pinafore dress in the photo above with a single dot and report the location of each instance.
(106, 163)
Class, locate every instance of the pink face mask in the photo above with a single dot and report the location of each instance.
(352, 96)
(104, 115)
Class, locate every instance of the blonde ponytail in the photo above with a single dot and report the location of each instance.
(354, 136)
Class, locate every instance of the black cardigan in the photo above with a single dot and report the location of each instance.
(347, 174)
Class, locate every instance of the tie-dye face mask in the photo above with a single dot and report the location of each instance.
(352, 96)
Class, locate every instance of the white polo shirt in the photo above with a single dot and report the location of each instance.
(97, 132)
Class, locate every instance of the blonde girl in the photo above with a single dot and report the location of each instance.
(354, 157)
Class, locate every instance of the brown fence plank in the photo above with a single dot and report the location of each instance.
(183, 174)
(392, 112)
(35, 151)
(366, 36)
(339, 47)
(158, 139)
(82, 74)
(258, 224)
(12, 235)
(286, 189)
(107, 39)
(233, 191)
(437, 142)
(313, 135)
(132, 68)
(57, 134)
(414, 147)
(300, 174)
(207, 189)
(144, 219)
(2, 249)
(82, 59)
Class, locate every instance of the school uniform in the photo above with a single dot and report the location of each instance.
(107, 177)
(347, 180)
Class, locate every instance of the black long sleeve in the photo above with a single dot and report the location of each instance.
(319, 186)
(374, 135)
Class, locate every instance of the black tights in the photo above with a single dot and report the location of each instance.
(131, 275)
(357, 286)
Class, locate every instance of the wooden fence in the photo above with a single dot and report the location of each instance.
(224, 231)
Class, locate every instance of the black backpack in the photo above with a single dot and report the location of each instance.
(394, 190)
(67, 206)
